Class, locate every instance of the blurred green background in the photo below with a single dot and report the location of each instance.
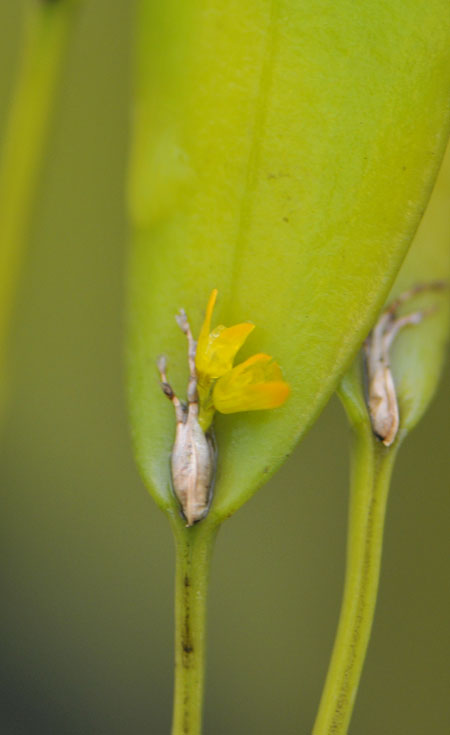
(86, 559)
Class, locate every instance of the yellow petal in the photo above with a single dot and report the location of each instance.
(217, 357)
(253, 385)
(216, 350)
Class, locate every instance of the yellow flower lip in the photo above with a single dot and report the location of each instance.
(255, 384)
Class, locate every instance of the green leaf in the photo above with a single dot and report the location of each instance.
(283, 152)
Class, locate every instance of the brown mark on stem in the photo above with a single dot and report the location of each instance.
(186, 637)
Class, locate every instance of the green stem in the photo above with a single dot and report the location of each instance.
(370, 476)
(46, 29)
(193, 556)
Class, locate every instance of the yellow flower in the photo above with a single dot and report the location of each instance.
(255, 384)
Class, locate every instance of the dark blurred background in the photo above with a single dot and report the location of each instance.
(86, 560)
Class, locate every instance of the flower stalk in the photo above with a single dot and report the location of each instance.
(193, 558)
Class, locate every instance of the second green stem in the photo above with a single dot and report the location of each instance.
(370, 477)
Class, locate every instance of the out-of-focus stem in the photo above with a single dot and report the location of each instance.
(44, 41)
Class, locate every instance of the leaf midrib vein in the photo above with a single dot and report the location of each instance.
(252, 169)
